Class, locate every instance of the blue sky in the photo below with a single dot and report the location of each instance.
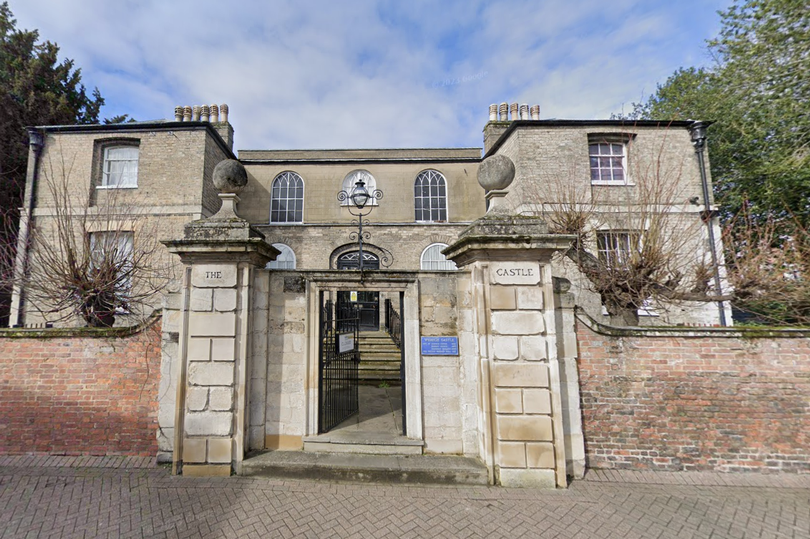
(373, 74)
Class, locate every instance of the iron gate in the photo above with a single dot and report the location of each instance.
(338, 361)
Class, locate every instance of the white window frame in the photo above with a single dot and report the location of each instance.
(430, 261)
(127, 179)
(285, 260)
(123, 244)
(435, 180)
(287, 177)
(618, 252)
(611, 155)
(351, 178)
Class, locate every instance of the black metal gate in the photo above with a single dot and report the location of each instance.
(339, 358)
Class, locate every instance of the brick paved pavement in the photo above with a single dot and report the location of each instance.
(55, 497)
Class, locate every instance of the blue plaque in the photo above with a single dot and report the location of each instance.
(439, 346)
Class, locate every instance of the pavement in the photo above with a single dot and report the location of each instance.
(53, 496)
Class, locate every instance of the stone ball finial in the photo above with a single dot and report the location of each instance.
(496, 172)
(230, 176)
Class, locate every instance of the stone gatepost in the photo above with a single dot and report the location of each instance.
(522, 441)
(219, 256)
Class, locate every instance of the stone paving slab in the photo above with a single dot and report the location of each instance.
(82, 461)
(74, 502)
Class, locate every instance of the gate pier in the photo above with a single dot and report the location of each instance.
(521, 416)
(219, 256)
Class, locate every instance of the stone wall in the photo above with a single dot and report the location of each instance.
(80, 392)
(681, 399)
(286, 382)
(448, 382)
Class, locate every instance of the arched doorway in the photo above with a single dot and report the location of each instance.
(366, 301)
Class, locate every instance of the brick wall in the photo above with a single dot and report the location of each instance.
(695, 400)
(80, 392)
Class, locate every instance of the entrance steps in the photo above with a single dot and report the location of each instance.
(379, 358)
(367, 468)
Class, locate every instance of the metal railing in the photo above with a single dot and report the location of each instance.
(393, 323)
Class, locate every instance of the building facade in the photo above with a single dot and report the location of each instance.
(461, 245)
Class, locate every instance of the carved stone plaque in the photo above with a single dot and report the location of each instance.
(213, 276)
(527, 273)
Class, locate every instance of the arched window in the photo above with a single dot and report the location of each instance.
(430, 196)
(286, 260)
(351, 260)
(287, 199)
(433, 259)
(352, 177)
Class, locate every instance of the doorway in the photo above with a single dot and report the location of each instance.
(404, 395)
(361, 376)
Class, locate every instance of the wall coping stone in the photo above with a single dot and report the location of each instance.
(690, 332)
(51, 333)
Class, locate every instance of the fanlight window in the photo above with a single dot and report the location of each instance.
(433, 259)
(286, 260)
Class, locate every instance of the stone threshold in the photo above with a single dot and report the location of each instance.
(367, 468)
(364, 442)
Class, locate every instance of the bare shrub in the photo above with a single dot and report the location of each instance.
(92, 254)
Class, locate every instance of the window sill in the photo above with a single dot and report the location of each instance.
(106, 187)
(615, 184)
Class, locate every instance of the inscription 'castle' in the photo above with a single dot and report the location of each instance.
(515, 272)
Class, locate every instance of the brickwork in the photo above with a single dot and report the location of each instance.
(79, 392)
(723, 400)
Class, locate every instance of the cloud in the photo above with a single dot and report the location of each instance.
(324, 74)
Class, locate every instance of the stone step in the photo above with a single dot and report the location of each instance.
(367, 468)
(377, 358)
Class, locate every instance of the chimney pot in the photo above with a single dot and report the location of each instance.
(178, 114)
(214, 114)
(503, 112)
(223, 109)
(195, 113)
(493, 113)
(524, 111)
(186, 113)
(513, 111)
(204, 113)
(535, 112)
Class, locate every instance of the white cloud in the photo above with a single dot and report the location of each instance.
(371, 74)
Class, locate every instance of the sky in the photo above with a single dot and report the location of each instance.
(373, 74)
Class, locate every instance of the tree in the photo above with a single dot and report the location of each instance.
(91, 256)
(757, 93)
(35, 89)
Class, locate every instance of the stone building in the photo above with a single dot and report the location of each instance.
(475, 283)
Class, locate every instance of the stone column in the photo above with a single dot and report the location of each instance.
(219, 255)
(520, 410)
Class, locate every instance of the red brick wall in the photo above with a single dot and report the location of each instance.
(75, 392)
(702, 402)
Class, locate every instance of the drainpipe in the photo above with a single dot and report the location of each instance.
(698, 132)
(36, 141)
